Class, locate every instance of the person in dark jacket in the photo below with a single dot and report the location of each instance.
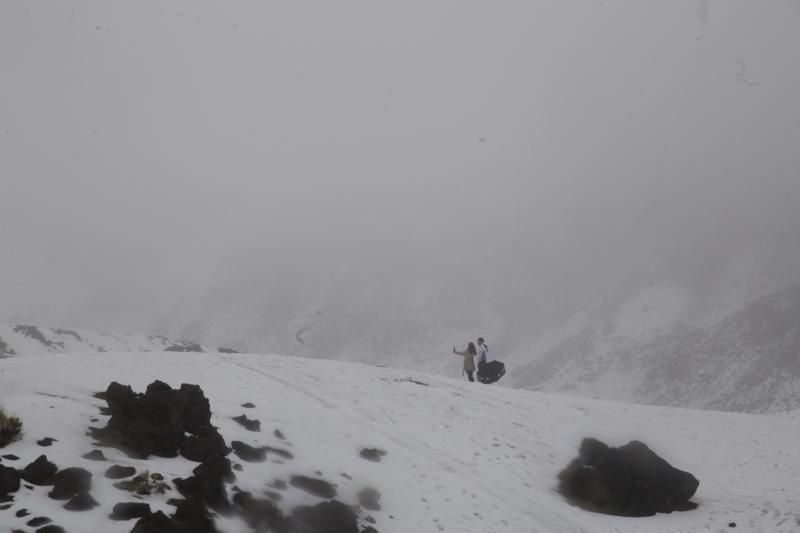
(469, 359)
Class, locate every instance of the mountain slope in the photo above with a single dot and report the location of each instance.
(460, 457)
(747, 361)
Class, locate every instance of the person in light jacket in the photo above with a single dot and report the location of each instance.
(483, 355)
(469, 359)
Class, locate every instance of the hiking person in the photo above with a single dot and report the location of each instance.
(483, 355)
(469, 359)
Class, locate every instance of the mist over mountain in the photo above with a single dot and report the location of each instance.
(382, 183)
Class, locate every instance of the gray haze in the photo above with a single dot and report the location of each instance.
(463, 164)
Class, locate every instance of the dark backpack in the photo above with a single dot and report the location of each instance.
(491, 371)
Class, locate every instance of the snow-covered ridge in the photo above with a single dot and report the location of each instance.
(25, 339)
(460, 457)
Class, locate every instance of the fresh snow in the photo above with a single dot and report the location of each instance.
(462, 457)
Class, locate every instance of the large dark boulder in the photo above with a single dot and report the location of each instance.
(40, 472)
(9, 480)
(156, 422)
(70, 482)
(630, 480)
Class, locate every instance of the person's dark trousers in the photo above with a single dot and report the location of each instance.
(481, 368)
(469, 375)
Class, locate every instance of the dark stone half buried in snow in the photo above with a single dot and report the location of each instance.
(40, 472)
(51, 529)
(248, 453)
(130, 510)
(372, 454)
(81, 502)
(69, 482)
(313, 486)
(94, 455)
(47, 441)
(119, 472)
(38, 521)
(247, 423)
(630, 480)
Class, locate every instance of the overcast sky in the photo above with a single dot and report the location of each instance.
(151, 151)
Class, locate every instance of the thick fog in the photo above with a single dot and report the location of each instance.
(475, 165)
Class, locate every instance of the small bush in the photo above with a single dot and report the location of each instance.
(369, 498)
(10, 428)
(145, 484)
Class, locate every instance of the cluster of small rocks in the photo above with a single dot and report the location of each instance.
(168, 422)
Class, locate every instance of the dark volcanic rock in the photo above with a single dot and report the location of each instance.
(326, 517)
(38, 521)
(11, 457)
(22, 513)
(372, 454)
(208, 482)
(95, 455)
(199, 447)
(245, 452)
(130, 510)
(156, 522)
(120, 472)
(40, 472)
(155, 423)
(51, 529)
(69, 482)
(248, 405)
(81, 502)
(193, 516)
(184, 346)
(280, 452)
(247, 423)
(47, 441)
(317, 487)
(630, 480)
(9, 480)
(259, 514)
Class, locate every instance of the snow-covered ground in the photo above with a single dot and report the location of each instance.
(462, 457)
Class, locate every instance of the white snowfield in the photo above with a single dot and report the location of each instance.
(461, 457)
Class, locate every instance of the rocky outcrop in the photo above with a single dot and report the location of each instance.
(157, 422)
(630, 480)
